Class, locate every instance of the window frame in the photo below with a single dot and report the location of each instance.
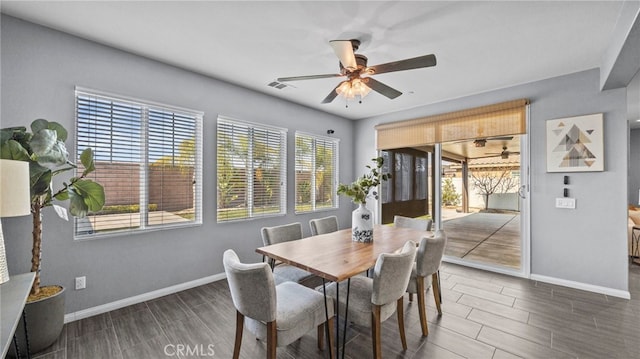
(144, 188)
(249, 181)
(335, 198)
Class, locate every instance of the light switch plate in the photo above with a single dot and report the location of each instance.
(569, 203)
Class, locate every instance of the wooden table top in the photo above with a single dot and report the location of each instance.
(335, 257)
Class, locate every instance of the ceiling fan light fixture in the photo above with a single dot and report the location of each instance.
(353, 88)
(480, 142)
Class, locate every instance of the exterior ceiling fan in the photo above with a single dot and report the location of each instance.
(504, 154)
(354, 67)
(481, 142)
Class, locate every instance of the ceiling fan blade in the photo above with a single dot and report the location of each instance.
(310, 77)
(333, 94)
(505, 138)
(344, 50)
(381, 88)
(408, 64)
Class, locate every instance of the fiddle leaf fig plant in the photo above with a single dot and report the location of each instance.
(47, 155)
(359, 189)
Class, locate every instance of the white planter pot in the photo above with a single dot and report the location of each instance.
(362, 225)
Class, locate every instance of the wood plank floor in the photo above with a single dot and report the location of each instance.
(486, 315)
(491, 238)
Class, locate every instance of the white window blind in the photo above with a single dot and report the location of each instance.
(251, 170)
(148, 158)
(316, 172)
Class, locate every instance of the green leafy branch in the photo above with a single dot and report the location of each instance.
(47, 155)
(359, 190)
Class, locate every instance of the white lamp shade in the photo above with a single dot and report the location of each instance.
(15, 198)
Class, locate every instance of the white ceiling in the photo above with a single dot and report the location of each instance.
(479, 45)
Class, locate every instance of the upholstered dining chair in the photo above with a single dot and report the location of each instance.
(415, 223)
(374, 300)
(425, 273)
(323, 225)
(281, 314)
(278, 234)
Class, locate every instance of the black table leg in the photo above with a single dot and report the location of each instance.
(26, 333)
(337, 319)
(326, 315)
(15, 344)
(346, 314)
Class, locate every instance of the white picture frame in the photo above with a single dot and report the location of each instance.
(575, 144)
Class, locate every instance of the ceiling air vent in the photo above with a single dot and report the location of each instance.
(278, 85)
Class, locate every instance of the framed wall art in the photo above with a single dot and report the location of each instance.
(575, 144)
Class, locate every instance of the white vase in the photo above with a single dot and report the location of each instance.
(362, 224)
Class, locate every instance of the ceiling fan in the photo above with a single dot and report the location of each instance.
(504, 154)
(481, 142)
(354, 67)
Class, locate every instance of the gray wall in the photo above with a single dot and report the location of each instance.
(40, 68)
(585, 245)
(634, 167)
(633, 115)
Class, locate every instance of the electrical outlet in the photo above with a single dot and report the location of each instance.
(81, 283)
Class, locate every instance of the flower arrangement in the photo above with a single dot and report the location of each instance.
(359, 189)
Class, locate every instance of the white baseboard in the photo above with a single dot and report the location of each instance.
(582, 286)
(89, 312)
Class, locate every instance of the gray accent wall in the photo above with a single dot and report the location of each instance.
(634, 167)
(587, 245)
(41, 67)
(633, 115)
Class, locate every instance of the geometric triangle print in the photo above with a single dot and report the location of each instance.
(565, 144)
(575, 144)
(583, 151)
(578, 156)
(577, 135)
(583, 138)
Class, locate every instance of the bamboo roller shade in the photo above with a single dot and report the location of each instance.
(501, 119)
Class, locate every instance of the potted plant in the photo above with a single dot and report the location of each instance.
(359, 190)
(47, 155)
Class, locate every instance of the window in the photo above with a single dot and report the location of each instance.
(251, 166)
(404, 176)
(316, 173)
(148, 157)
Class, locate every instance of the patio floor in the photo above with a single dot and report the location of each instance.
(490, 238)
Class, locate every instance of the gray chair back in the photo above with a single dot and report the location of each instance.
(391, 274)
(430, 253)
(415, 223)
(252, 287)
(279, 234)
(323, 225)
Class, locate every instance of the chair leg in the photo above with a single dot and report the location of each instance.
(332, 347)
(435, 284)
(239, 328)
(375, 331)
(272, 339)
(321, 336)
(422, 308)
(400, 311)
(411, 297)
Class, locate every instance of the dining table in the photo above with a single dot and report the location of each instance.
(335, 257)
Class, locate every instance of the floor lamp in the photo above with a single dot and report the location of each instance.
(14, 200)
